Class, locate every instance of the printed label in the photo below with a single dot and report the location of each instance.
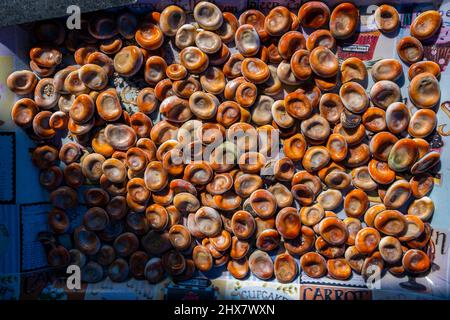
(311, 292)
(258, 290)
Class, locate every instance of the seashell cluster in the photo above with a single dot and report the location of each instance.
(256, 151)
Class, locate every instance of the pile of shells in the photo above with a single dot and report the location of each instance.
(197, 189)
